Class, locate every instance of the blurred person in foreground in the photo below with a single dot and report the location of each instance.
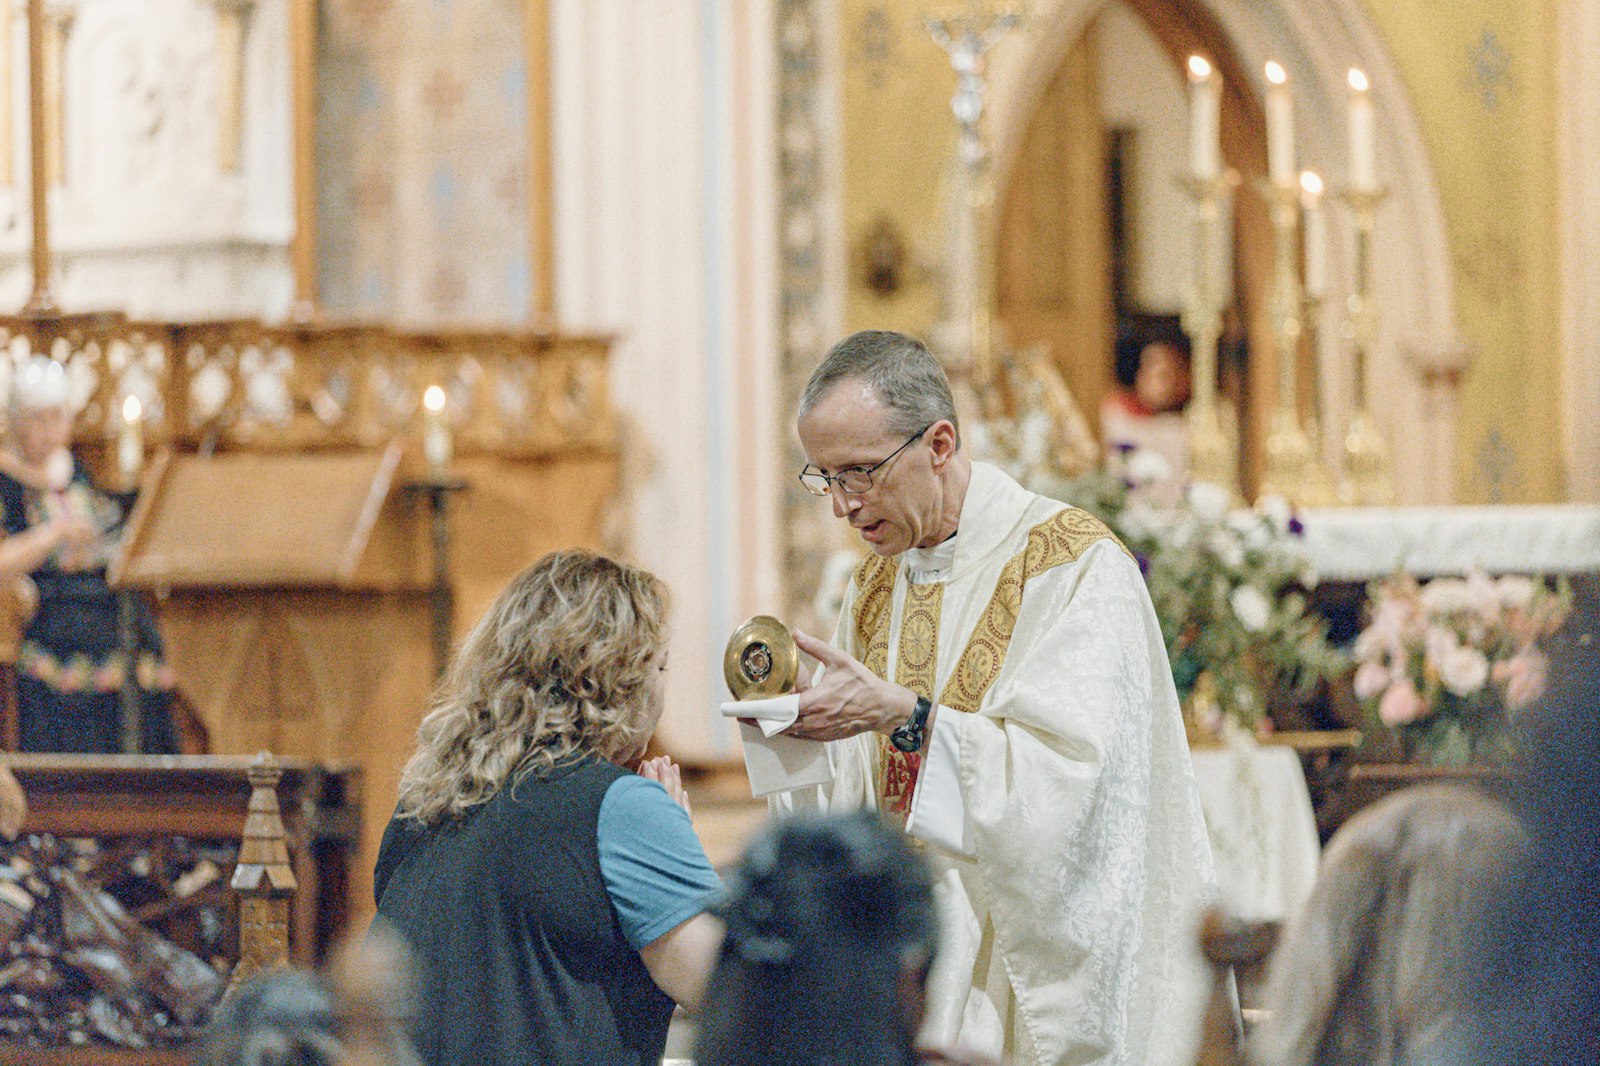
(554, 900)
(1536, 993)
(1375, 970)
(831, 932)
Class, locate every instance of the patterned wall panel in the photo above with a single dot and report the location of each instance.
(422, 190)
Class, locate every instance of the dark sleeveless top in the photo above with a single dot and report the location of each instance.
(521, 955)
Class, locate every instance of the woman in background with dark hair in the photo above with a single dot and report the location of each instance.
(831, 932)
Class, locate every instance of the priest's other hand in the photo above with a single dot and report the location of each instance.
(849, 699)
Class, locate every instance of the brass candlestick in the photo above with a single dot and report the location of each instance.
(1213, 436)
(1320, 491)
(1368, 473)
(967, 32)
(1289, 453)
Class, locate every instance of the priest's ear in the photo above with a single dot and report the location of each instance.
(945, 441)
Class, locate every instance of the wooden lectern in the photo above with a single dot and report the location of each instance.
(293, 593)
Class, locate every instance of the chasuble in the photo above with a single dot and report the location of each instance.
(1054, 794)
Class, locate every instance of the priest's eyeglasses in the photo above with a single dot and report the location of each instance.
(857, 479)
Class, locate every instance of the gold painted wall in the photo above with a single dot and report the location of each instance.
(898, 133)
(1481, 74)
(1481, 78)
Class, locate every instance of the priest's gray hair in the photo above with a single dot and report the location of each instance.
(902, 373)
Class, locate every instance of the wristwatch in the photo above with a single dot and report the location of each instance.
(909, 737)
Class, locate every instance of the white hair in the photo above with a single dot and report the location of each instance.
(38, 383)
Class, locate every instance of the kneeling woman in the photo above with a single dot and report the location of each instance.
(555, 901)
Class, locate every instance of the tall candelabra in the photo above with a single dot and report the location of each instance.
(1292, 470)
(1368, 476)
(1212, 431)
(967, 32)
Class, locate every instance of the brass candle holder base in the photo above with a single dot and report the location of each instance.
(1290, 460)
(1368, 475)
(1213, 446)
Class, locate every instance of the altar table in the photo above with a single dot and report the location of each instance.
(1262, 829)
(1363, 543)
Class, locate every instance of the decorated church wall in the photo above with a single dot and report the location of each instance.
(1481, 74)
(1481, 79)
(422, 146)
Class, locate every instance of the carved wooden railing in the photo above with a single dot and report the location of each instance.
(118, 923)
(243, 383)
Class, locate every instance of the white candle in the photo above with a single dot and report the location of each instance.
(130, 441)
(1205, 107)
(1316, 226)
(436, 444)
(1280, 126)
(1363, 161)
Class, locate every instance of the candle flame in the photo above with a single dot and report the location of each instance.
(1358, 80)
(1275, 73)
(1311, 182)
(132, 409)
(1199, 69)
(433, 399)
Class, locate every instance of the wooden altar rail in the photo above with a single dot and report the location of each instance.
(121, 800)
(206, 797)
(512, 393)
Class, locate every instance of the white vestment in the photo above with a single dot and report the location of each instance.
(1055, 792)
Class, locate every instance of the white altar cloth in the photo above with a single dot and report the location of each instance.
(1262, 828)
(1363, 543)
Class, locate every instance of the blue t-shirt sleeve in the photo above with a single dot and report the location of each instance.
(655, 870)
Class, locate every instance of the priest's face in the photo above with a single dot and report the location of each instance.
(848, 429)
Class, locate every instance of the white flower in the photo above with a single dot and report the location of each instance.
(1440, 644)
(1250, 607)
(1514, 591)
(1147, 465)
(1276, 510)
(1225, 546)
(1446, 595)
(1210, 502)
(1465, 671)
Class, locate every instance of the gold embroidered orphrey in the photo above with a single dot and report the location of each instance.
(1062, 538)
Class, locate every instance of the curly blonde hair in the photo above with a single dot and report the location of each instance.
(564, 664)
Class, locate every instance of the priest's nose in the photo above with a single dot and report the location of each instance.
(843, 504)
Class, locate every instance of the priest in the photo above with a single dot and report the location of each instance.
(998, 685)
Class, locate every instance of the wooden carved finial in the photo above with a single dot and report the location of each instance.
(263, 877)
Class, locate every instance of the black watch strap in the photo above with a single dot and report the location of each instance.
(910, 737)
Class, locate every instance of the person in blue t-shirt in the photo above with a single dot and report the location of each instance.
(555, 901)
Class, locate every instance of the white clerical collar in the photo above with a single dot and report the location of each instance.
(925, 565)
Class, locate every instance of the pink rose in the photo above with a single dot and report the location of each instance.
(1401, 705)
(1371, 679)
(1525, 675)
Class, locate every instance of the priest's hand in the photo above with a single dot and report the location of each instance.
(849, 699)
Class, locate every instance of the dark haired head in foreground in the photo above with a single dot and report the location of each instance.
(831, 929)
(285, 1018)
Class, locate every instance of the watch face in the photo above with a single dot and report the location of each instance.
(906, 739)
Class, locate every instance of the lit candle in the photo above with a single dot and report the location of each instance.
(1316, 226)
(130, 441)
(1280, 127)
(1205, 104)
(436, 443)
(1363, 161)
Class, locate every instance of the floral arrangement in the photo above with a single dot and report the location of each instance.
(1447, 663)
(1228, 587)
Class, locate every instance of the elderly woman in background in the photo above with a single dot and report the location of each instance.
(1378, 970)
(831, 933)
(62, 531)
(553, 899)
